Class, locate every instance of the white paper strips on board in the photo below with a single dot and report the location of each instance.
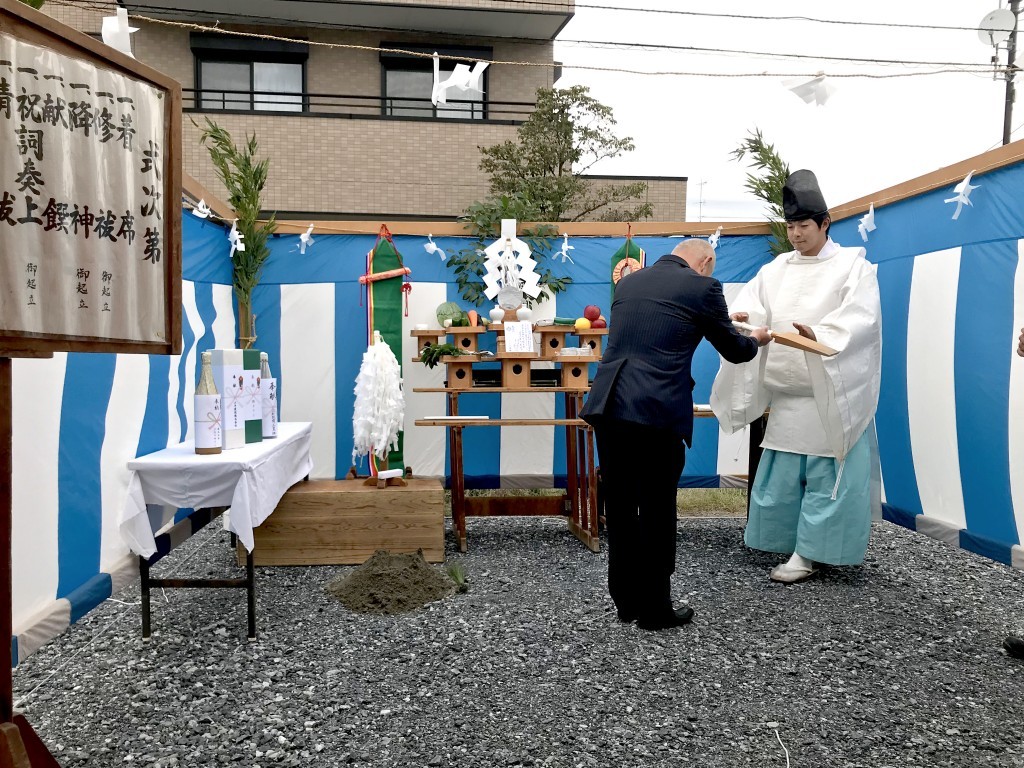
(202, 210)
(867, 223)
(116, 33)
(431, 247)
(564, 252)
(82, 204)
(713, 239)
(306, 240)
(963, 195)
(510, 263)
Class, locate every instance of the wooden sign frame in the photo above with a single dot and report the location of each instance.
(29, 26)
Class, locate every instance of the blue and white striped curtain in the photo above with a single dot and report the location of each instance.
(951, 429)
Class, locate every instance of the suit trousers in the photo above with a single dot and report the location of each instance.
(640, 470)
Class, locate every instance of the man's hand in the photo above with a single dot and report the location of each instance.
(744, 317)
(805, 331)
(762, 335)
(1020, 343)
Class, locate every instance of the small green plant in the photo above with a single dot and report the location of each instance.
(768, 185)
(431, 355)
(244, 177)
(458, 574)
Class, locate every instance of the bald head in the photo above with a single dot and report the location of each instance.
(698, 253)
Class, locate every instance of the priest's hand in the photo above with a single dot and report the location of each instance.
(1020, 343)
(806, 331)
(761, 335)
(744, 317)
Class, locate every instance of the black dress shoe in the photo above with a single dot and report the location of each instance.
(1014, 646)
(676, 618)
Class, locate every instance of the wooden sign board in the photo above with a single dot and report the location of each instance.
(90, 194)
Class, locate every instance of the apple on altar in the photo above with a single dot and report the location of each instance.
(592, 312)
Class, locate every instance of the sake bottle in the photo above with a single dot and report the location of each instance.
(207, 410)
(268, 393)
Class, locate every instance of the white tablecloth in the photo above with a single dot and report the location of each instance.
(251, 480)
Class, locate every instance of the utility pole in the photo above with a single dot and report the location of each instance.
(1011, 71)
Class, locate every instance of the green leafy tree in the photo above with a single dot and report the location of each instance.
(767, 183)
(568, 132)
(539, 178)
(244, 177)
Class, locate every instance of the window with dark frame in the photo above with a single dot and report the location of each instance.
(407, 82)
(249, 75)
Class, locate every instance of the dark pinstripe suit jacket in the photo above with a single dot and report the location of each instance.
(658, 318)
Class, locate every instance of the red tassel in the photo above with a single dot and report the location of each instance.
(406, 290)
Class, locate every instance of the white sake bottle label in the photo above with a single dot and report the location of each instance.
(268, 389)
(208, 421)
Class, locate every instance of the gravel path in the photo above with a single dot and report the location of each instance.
(896, 663)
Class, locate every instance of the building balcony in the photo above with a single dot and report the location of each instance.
(264, 103)
(541, 20)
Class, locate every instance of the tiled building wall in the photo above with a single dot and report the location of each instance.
(416, 169)
(356, 167)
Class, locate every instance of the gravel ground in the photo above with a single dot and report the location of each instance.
(895, 663)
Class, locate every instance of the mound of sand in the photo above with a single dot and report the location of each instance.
(390, 584)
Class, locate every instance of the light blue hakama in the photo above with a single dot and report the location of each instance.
(792, 509)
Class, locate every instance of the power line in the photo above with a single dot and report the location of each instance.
(666, 47)
(544, 64)
(748, 17)
(947, 66)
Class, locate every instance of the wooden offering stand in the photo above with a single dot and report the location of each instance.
(552, 339)
(579, 503)
(592, 338)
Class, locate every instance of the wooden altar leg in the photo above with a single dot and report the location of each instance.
(592, 490)
(571, 486)
(458, 483)
(458, 491)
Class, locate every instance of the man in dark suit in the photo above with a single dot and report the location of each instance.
(641, 406)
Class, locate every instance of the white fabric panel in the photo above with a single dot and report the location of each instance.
(938, 529)
(38, 389)
(195, 322)
(424, 447)
(307, 367)
(125, 415)
(1017, 556)
(931, 393)
(1016, 437)
(224, 324)
(528, 450)
(733, 451)
(41, 627)
(731, 291)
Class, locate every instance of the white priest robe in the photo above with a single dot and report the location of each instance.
(820, 406)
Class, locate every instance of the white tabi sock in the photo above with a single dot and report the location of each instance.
(796, 561)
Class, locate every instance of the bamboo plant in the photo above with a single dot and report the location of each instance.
(244, 177)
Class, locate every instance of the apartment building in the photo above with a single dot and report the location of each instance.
(338, 94)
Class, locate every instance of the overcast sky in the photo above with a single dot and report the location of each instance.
(871, 134)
